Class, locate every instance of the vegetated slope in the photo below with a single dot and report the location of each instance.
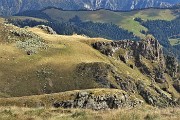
(125, 20)
(95, 99)
(38, 73)
(9, 7)
(163, 30)
(167, 32)
(34, 62)
(122, 19)
(76, 26)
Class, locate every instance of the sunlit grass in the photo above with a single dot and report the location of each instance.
(122, 19)
(141, 113)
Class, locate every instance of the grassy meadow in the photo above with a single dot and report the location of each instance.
(122, 19)
(53, 69)
(140, 113)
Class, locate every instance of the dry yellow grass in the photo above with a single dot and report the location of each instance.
(54, 69)
(47, 100)
(141, 113)
(85, 52)
(19, 72)
(1, 20)
(18, 77)
(75, 51)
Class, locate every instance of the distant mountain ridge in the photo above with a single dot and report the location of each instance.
(10, 7)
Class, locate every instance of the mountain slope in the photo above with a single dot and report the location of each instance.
(9, 7)
(126, 20)
(122, 19)
(36, 61)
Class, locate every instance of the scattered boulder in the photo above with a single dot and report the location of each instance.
(20, 33)
(29, 52)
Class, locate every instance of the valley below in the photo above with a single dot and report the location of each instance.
(38, 66)
(90, 64)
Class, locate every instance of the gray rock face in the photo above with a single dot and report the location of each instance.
(147, 56)
(107, 77)
(47, 29)
(89, 100)
(150, 49)
(9, 7)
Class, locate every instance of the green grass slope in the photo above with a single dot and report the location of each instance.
(33, 62)
(50, 70)
(123, 19)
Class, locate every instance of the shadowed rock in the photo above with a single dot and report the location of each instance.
(89, 100)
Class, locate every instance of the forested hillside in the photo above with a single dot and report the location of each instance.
(76, 26)
(164, 31)
(163, 24)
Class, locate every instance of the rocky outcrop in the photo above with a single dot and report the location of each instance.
(90, 100)
(96, 99)
(140, 52)
(26, 40)
(107, 77)
(147, 56)
(149, 48)
(102, 72)
(47, 29)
